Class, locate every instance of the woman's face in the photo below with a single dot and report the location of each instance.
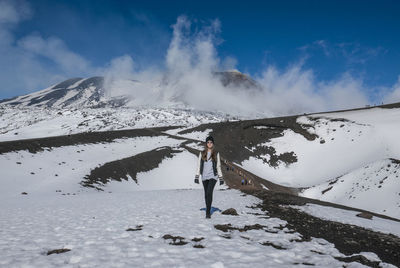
(210, 144)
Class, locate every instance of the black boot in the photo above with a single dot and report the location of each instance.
(208, 215)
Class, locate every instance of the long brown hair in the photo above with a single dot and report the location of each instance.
(213, 153)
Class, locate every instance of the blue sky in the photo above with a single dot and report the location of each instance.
(331, 38)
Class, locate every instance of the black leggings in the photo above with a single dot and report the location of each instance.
(208, 193)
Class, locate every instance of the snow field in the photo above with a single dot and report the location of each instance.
(63, 168)
(374, 187)
(93, 225)
(349, 217)
(35, 122)
(343, 149)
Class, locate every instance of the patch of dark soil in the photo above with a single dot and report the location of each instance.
(318, 252)
(232, 138)
(334, 181)
(120, 169)
(272, 245)
(197, 239)
(359, 258)
(198, 246)
(305, 263)
(25, 193)
(226, 236)
(176, 240)
(58, 251)
(229, 227)
(348, 239)
(137, 228)
(395, 161)
(327, 189)
(39, 144)
(230, 211)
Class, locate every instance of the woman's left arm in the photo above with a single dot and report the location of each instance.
(219, 166)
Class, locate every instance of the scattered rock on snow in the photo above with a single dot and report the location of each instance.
(138, 228)
(228, 227)
(197, 239)
(176, 240)
(230, 211)
(226, 236)
(272, 244)
(58, 251)
(365, 215)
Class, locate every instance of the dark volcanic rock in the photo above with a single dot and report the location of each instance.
(229, 227)
(236, 79)
(176, 240)
(234, 139)
(137, 228)
(39, 144)
(58, 251)
(365, 215)
(230, 211)
(197, 239)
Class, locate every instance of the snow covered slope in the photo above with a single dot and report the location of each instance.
(74, 92)
(98, 91)
(153, 221)
(36, 122)
(348, 144)
(374, 187)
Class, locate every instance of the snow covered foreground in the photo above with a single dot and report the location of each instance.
(94, 227)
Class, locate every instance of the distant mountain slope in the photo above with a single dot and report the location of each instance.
(76, 92)
(236, 79)
(91, 92)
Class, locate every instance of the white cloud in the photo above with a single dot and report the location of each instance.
(186, 75)
(23, 69)
(190, 62)
(393, 93)
(55, 50)
(14, 11)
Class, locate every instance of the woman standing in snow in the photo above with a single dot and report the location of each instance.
(209, 166)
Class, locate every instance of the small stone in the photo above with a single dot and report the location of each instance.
(24, 193)
(365, 215)
(230, 211)
(58, 251)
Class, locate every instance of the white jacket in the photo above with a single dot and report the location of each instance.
(219, 171)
